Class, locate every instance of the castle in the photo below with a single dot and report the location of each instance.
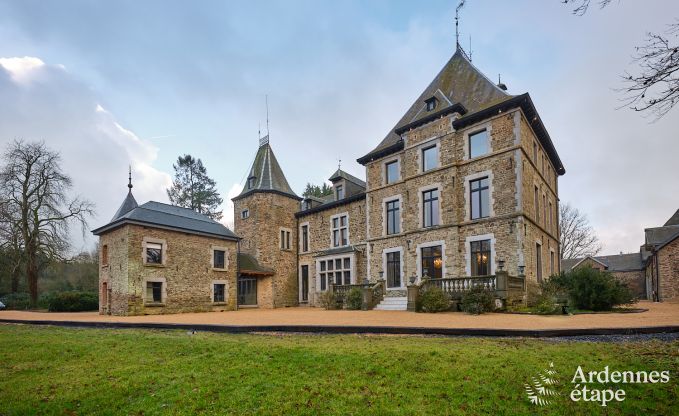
(464, 186)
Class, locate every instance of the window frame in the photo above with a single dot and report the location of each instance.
(477, 246)
(304, 237)
(393, 162)
(479, 191)
(393, 266)
(435, 220)
(163, 291)
(339, 192)
(326, 268)
(245, 214)
(393, 216)
(433, 258)
(471, 136)
(284, 239)
(104, 255)
(339, 229)
(423, 150)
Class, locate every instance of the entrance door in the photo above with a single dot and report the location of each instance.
(305, 284)
(247, 291)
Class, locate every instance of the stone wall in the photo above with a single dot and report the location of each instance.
(268, 213)
(635, 280)
(668, 268)
(113, 272)
(186, 270)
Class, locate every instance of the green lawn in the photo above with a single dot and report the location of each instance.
(48, 370)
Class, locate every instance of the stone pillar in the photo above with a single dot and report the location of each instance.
(501, 288)
(367, 298)
(413, 294)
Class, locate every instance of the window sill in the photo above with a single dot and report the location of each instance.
(217, 269)
(154, 265)
(219, 303)
(154, 304)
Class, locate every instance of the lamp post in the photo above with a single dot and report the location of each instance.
(381, 275)
(413, 278)
(522, 268)
(500, 264)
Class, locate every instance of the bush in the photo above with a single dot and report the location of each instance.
(354, 299)
(328, 300)
(478, 300)
(433, 300)
(74, 302)
(592, 289)
(16, 301)
(542, 298)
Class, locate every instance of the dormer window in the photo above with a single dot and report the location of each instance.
(251, 182)
(340, 192)
(431, 103)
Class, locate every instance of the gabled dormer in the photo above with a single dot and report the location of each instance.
(346, 185)
(430, 104)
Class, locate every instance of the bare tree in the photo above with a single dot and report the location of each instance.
(33, 192)
(577, 235)
(655, 87)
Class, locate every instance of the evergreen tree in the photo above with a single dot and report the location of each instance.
(193, 189)
(317, 191)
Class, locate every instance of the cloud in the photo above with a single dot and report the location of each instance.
(43, 101)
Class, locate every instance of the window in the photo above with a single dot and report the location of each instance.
(430, 208)
(538, 261)
(251, 182)
(154, 253)
(340, 191)
(305, 238)
(245, 214)
(430, 156)
(432, 262)
(551, 262)
(391, 173)
(285, 239)
(535, 153)
(218, 289)
(543, 165)
(394, 269)
(480, 198)
(536, 201)
(104, 255)
(218, 259)
(431, 103)
(154, 292)
(550, 215)
(393, 217)
(480, 252)
(478, 144)
(544, 208)
(340, 231)
(334, 271)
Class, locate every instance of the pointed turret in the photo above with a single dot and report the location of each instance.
(266, 174)
(129, 203)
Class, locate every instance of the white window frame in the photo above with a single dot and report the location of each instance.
(418, 262)
(467, 195)
(288, 242)
(301, 237)
(212, 258)
(163, 291)
(420, 204)
(226, 292)
(352, 269)
(401, 266)
(392, 198)
(468, 252)
(332, 217)
(472, 131)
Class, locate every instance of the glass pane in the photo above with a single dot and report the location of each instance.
(345, 240)
(335, 222)
(338, 278)
(153, 255)
(392, 172)
(485, 204)
(338, 264)
(343, 221)
(478, 144)
(330, 264)
(430, 158)
(435, 212)
(322, 266)
(347, 278)
(427, 214)
(323, 286)
(347, 263)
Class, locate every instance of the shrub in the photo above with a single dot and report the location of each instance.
(542, 298)
(478, 300)
(74, 302)
(433, 300)
(328, 300)
(16, 301)
(592, 289)
(354, 299)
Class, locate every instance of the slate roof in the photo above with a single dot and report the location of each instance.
(340, 174)
(461, 87)
(249, 265)
(267, 174)
(674, 219)
(128, 205)
(614, 263)
(659, 235)
(157, 214)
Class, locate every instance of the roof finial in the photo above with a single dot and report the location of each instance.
(129, 184)
(266, 99)
(457, 18)
(339, 164)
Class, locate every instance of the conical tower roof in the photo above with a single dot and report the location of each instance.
(266, 174)
(128, 204)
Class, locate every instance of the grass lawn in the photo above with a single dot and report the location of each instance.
(49, 370)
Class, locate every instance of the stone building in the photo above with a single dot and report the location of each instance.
(653, 272)
(465, 183)
(157, 258)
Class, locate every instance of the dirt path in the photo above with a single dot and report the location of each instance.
(659, 314)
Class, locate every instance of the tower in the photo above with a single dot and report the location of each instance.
(264, 216)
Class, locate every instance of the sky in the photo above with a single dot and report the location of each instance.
(113, 84)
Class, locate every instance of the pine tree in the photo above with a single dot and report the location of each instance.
(193, 189)
(317, 191)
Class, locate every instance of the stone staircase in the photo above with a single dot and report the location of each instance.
(392, 303)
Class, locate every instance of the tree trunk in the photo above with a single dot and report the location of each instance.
(15, 280)
(32, 274)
